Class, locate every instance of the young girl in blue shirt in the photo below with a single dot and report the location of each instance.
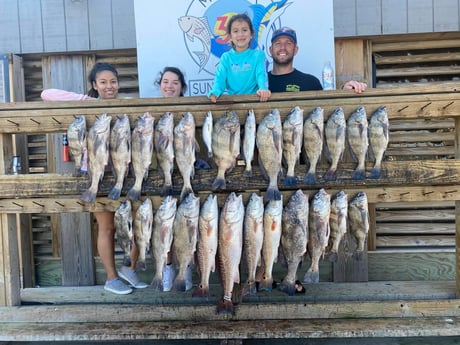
(241, 70)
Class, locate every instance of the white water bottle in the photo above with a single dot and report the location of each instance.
(328, 77)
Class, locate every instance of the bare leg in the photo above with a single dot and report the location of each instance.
(106, 242)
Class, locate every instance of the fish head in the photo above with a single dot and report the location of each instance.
(295, 116)
(186, 24)
(102, 124)
(381, 115)
(360, 200)
(317, 116)
(255, 205)
(359, 115)
(233, 206)
(338, 116)
(168, 207)
(144, 123)
(321, 203)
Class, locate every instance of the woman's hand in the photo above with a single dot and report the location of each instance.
(264, 95)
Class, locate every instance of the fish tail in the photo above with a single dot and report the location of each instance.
(375, 173)
(166, 190)
(219, 183)
(358, 174)
(273, 193)
(77, 172)
(210, 155)
(126, 261)
(248, 171)
(266, 284)
(179, 285)
(330, 175)
(201, 291)
(185, 191)
(133, 194)
(358, 255)
(309, 178)
(311, 277)
(157, 284)
(249, 288)
(115, 193)
(141, 265)
(290, 180)
(225, 306)
(332, 256)
(88, 196)
(287, 287)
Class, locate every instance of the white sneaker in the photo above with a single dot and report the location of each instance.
(188, 278)
(168, 277)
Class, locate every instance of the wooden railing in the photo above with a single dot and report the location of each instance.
(402, 180)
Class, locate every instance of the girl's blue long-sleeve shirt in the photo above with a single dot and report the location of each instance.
(240, 73)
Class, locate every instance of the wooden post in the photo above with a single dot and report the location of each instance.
(74, 229)
(457, 215)
(10, 285)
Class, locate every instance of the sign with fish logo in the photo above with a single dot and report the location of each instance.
(192, 35)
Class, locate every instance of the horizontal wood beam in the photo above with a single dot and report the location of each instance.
(268, 329)
(55, 117)
(428, 180)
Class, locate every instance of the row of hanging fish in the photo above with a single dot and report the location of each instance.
(281, 143)
(276, 143)
(119, 145)
(332, 135)
(253, 236)
(125, 147)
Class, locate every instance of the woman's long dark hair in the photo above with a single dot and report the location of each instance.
(99, 67)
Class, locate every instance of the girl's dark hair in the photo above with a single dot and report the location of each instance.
(179, 74)
(99, 67)
(243, 17)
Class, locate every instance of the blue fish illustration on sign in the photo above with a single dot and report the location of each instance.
(194, 27)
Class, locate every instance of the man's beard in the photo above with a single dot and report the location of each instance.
(283, 62)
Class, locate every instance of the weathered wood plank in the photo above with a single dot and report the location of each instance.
(415, 241)
(9, 261)
(417, 264)
(418, 71)
(324, 300)
(409, 215)
(56, 116)
(341, 328)
(413, 137)
(419, 58)
(416, 228)
(384, 265)
(74, 204)
(415, 45)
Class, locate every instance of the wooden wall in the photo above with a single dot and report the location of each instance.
(383, 17)
(36, 26)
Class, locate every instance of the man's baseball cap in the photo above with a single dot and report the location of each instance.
(285, 31)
